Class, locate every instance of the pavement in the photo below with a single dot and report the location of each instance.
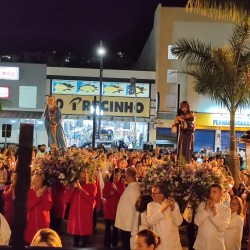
(96, 240)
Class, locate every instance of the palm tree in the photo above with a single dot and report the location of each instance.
(221, 74)
(237, 11)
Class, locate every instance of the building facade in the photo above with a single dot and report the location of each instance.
(212, 121)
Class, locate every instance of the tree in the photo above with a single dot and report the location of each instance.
(222, 74)
(237, 11)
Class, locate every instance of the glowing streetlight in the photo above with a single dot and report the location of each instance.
(101, 52)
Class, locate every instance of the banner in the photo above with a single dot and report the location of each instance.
(111, 106)
(76, 87)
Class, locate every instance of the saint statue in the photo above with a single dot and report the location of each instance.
(53, 119)
(184, 123)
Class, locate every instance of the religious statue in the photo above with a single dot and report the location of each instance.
(184, 123)
(52, 119)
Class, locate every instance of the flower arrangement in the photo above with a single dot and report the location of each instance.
(64, 167)
(187, 183)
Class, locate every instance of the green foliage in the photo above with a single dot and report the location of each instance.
(4, 103)
(237, 11)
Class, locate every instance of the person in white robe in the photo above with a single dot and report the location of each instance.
(163, 215)
(212, 218)
(140, 219)
(126, 207)
(5, 231)
(233, 233)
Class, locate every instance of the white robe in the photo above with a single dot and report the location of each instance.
(5, 231)
(165, 225)
(233, 233)
(211, 228)
(126, 207)
(137, 228)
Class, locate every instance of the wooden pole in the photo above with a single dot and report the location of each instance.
(22, 185)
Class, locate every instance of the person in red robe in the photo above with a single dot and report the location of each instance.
(112, 192)
(83, 200)
(58, 207)
(9, 197)
(38, 207)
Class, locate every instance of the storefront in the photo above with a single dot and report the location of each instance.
(24, 86)
(125, 115)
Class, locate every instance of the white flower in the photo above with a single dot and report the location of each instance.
(61, 176)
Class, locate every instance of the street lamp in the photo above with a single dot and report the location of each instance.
(101, 52)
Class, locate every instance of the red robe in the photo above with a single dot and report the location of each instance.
(38, 213)
(8, 205)
(59, 206)
(112, 198)
(80, 221)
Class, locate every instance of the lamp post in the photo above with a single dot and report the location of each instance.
(132, 90)
(101, 52)
(93, 110)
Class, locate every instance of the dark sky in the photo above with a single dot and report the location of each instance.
(77, 26)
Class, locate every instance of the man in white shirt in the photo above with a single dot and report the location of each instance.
(163, 214)
(126, 207)
(212, 218)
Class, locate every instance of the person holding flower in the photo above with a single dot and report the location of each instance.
(212, 218)
(38, 207)
(82, 196)
(163, 215)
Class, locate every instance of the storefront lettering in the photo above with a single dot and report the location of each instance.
(239, 123)
(106, 106)
(9, 73)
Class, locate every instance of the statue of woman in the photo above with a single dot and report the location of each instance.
(52, 119)
(185, 122)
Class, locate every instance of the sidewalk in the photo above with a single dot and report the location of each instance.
(96, 240)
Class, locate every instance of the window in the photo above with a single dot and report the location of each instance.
(171, 56)
(171, 76)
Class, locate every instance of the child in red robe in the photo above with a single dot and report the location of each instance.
(83, 200)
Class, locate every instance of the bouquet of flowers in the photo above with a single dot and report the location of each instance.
(65, 167)
(187, 183)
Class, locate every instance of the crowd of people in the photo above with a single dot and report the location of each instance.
(139, 221)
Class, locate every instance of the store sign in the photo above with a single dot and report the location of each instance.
(224, 120)
(9, 73)
(111, 106)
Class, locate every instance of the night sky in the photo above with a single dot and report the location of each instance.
(77, 26)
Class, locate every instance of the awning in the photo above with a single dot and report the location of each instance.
(21, 114)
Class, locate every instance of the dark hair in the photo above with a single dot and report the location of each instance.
(162, 188)
(215, 185)
(142, 202)
(117, 170)
(151, 238)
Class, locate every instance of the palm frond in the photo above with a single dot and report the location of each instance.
(237, 11)
(194, 51)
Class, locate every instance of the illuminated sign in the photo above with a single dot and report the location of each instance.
(75, 87)
(111, 106)
(224, 120)
(4, 92)
(9, 73)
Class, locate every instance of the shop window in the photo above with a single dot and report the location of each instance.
(171, 76)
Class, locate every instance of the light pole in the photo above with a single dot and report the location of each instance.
(101, 52)
(93, 109)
